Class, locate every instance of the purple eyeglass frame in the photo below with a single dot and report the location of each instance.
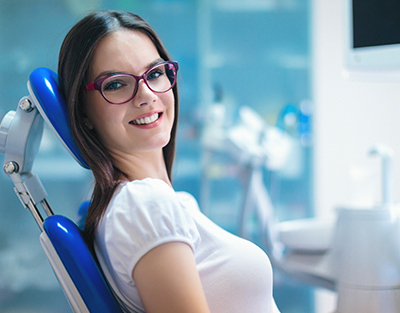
(96, 85)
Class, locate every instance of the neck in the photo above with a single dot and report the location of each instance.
(144, 165)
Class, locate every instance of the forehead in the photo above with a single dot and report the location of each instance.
(123, 51)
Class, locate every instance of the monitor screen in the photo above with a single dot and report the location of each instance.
(372, 37)
(376, 23)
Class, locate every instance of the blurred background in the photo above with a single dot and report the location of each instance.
(275, 65)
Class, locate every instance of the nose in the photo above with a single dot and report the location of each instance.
(144, 95)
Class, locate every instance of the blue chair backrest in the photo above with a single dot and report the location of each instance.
(65, 235)
(82, 268)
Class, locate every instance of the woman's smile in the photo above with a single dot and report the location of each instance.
(148, 120)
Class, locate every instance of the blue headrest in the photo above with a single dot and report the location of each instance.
(43, 87)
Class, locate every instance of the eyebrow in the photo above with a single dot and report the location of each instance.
(109, 73)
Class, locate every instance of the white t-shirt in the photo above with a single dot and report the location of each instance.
(236, 274)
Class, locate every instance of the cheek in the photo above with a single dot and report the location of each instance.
(107, 126)
(170, 104)
(97, 111)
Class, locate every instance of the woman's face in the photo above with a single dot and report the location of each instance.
(116, 125)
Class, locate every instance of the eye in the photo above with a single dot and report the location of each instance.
(155, 73)
(112, 86)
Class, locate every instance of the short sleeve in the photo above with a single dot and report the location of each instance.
(141, 216)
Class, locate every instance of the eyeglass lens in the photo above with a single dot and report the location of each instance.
(121, 88)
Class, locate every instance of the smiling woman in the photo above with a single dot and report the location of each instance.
(129, 143)
(157, 250)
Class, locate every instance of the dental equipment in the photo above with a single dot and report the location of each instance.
(386, 155)
(357, 255)
(20, 134)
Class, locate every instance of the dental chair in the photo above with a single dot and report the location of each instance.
(77, 271)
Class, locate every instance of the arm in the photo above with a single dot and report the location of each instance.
(168, 281)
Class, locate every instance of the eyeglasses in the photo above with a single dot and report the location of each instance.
(121, 88)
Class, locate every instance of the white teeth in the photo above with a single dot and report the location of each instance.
(146, 120)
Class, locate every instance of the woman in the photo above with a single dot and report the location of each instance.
(158, 252)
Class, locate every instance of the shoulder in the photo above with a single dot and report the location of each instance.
(147, 194)
(188, 201)
(148, 188)
(147, 208)
(142, 215)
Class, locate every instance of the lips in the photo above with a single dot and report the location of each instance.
(145, 120)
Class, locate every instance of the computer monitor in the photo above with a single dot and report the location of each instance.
(372, 38)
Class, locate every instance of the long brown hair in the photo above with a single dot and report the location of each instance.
(74, 64)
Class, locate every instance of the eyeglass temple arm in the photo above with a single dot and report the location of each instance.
(90, 86)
